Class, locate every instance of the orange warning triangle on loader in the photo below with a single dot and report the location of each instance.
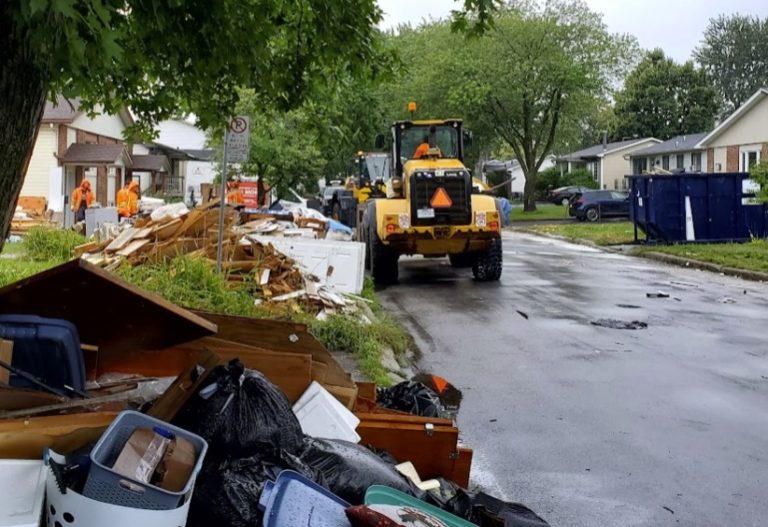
(441, 199)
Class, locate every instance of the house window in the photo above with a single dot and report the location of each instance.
(681, 161)
(696, 162)
(665, 162)
(640, 165)
(749, 159)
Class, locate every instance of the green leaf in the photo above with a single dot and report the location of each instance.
(37, 6)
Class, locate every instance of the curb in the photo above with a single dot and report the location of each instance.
(755, 276)
(679, 261)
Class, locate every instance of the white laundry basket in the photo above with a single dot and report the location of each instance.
(71, 509)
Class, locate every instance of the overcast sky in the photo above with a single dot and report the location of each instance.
(676, 26)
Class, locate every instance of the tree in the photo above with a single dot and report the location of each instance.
(538, 70)
(733, 53)
(759, 173)
(159, 56)
(663, 99)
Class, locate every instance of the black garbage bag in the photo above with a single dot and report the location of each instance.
(348, 469)
(493, 512)
(227, 493)
(412, 397)
(240, 413)
(482, 509)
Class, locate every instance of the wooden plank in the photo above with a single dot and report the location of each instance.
(98, 304)
(89, 247)
(27, 438)
(165, 231)
(366, 390)
(185, 385)
(18, 398)
(6, 355)
(275, 335)
(290, 372)
(34, 204)
(432, 453)
(143, 233)
(122, 240)
(403, 418)
(132, 248)
(462, 467)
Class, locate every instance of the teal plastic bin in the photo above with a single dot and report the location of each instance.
(381, 495)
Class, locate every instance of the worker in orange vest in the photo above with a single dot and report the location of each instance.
(82, 198)
(422, 149)
(235, 196)
(128, 200)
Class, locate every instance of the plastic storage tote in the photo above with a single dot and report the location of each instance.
(48, 348)
(381, 495)
(294, 501)
(107, 486)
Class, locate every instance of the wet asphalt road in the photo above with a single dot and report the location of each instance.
(591, 426)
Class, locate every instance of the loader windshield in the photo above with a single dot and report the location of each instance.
(446, 138)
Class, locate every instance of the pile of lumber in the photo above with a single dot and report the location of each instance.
(30, 212)
(274, 276)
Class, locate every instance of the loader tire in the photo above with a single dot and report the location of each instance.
(462, 260)
(487, 266)
(384, 267)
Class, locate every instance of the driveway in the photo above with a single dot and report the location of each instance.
(591, 425)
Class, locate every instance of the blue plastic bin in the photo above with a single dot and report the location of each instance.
(105, 485)
(294, 501)
(47, 348)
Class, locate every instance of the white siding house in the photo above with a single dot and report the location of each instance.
(185, 136)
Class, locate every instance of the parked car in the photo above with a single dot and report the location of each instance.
(595, 204)
(563, 195)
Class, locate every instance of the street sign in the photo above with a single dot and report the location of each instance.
(238, 139)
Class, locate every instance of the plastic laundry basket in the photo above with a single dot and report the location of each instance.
(71, 509)
(107, 486)
(294, 501)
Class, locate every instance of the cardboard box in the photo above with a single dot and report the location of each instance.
(176, 467)
(168, 468)
(141, 455)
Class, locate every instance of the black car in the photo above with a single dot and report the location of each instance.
(563, 195)
(595, 204)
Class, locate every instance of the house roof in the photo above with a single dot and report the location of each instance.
(681, 143)
(62, 110)
(154, 163)
(81, 154)
(201, 155)
(758, 96)
(598, 151)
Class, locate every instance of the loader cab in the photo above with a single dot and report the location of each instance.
(446, 139)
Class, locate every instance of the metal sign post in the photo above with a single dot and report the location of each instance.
(237, 143)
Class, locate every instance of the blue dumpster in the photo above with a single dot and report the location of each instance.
(696, 208)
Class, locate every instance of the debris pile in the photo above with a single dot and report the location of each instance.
(173, 230)
(30, 212)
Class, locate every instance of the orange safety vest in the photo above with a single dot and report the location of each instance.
(128, 201)
(77, 198)
(422, 149)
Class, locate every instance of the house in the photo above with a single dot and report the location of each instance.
(188, 138)
(513, 171)
(741, 140)
(679, 154)
(70, 146)
(607, 161)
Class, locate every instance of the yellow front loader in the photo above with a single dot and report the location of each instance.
(430, 208)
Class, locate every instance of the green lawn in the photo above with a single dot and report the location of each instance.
(599, 233)
(544, 211)
(752, 256)
(13, 248)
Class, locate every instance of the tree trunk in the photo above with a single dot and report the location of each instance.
(529, 192)
(22, 100)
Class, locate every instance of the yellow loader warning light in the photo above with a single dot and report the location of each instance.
(441, 199)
